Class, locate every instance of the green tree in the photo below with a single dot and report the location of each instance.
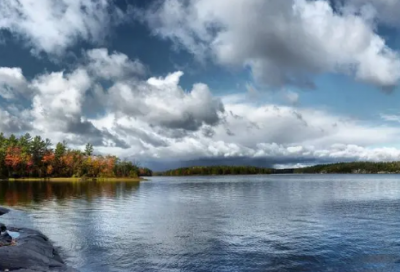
(89, 149)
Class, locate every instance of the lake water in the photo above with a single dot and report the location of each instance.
(242, 223)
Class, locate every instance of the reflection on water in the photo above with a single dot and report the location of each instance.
(34, 192)
(241, 223)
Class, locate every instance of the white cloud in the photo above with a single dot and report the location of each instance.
(283, 42)
(11, 123)
(53, 26)
(12, 83)
(391, 117)
(162, 102)
(292, 97)
(386, 11)
(156, 118)
(113, 66)
(58, 99)
(258, 132)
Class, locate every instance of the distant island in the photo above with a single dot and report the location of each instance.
(30, 158)
(334, 168)
(352, 168)
(215, 170)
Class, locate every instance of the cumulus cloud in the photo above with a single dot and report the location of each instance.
(260, 135)
(162, 102)
(110, 100)
(282, 42)
(58, 97)
(385, 11)
(156, 119)
(12, 83)
(53, 26)
(114, 66)
(257, 134)
(11, 123)
(58, 101)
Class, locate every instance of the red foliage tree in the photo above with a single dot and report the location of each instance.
(13, 157)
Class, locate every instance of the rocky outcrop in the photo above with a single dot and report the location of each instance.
(3, 211)
(30, 252)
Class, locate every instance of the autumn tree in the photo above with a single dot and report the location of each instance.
(33, 157)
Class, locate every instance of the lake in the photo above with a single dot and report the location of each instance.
(230, 223)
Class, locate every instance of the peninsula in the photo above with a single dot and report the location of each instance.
(34, 159)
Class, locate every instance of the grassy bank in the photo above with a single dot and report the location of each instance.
(75, 179)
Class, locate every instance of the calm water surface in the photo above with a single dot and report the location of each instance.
(244, 223)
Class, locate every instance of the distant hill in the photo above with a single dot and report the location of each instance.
(215, 170)
(352, 168)
(334, 168)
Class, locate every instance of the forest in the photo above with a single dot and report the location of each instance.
(334, 168)
(215, 170)
(27, 157)
(34, 157)
(352, 168)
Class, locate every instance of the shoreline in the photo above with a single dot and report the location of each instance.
(279, 174)
(74, 179)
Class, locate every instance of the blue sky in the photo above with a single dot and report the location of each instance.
(173, 83)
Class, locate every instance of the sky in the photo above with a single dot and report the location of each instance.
(202, 82)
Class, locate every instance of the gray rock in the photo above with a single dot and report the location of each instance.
(2, 227)
(3, 211)
(31, 252)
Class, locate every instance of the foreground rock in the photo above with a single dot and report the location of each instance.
(3, 211)
(30, 252)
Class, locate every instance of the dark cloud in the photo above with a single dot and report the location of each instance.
(208, 132)
(163, 165)
(235, 115)
(14, 126)
(177, 134)
(151, 139)
(299, 116)
(229, 132)
(86, 132)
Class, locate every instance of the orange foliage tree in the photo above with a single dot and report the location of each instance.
(34, 157)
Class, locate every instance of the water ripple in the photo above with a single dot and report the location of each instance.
(257, 223)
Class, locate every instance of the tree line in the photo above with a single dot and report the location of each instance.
(352, 168)
(215, 170)
(334, 168)
(34, 157)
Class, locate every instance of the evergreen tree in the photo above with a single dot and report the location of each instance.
(89, 149)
